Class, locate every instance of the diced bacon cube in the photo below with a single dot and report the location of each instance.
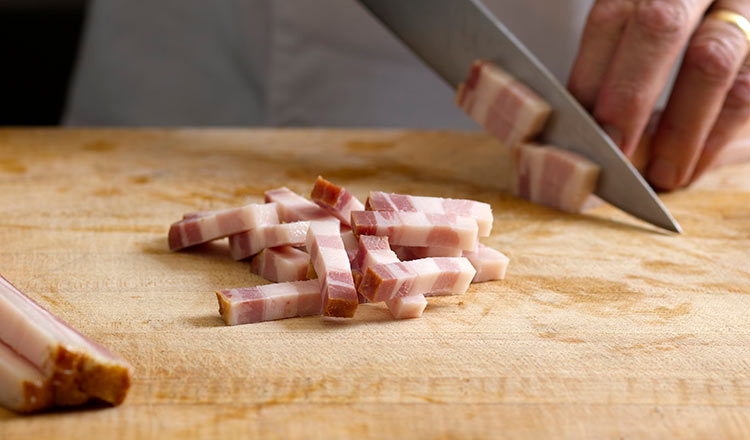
(269, 302)
(336, 200)
(407, 307)
(489, 263)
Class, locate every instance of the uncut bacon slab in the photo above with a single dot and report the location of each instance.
(554, 177)
(481, 212)
(54, 363)
(425, 276)
(489, 263)
(336, 200)
(281, 264)
(293, 207)
(501, 105)
(331, 263)
(269, 302)
(248, 243)
(418, 228)
(204, 226)
(406, 253)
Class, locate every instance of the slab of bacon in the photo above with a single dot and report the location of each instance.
(425, 276)
(293, 207)
(489, 263)
(44, 362)
(502, 105)
(479, 211)
(248, 243)
(336, 200)
(281, 264)
(269, 302)
(331, 263)
(202, 227)
(554, 177)
(418, 228)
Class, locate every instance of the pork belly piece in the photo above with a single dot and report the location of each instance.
(481, 212)
(489, 263)
(418, 228)
(407, 253)
(554, 177)
(407, 307)
(269, 302)
(336, 200)
(281, 264)
(248, 243)
(447, 276)
(331, 263)
(293, 207)
(45, 362)
(204, 226)
(504, 107)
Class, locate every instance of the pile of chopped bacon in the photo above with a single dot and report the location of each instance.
(329, 255)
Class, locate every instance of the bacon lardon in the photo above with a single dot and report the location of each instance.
(293, 207)
(481, 212)
(336, 200)
(426, 276)
(407, 307)
(406, 253)
(489, 263)
(418, 228)
(503, 106)
(281, 264)
(44, 362)
(331, 263)
(269, 302)
(204, 226)
(554, 177)
(248, 243)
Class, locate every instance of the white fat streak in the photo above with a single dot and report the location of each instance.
(407, 307)
(335, 259)
(428, 204)
(292, 234)
(280, 300)
(466, 274)
(350, 241)
(427, 273)
(489, 263)
(490, 83)
(260, 214)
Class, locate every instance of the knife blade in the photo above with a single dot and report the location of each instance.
(448, 35)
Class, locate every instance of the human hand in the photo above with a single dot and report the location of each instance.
(627, 52)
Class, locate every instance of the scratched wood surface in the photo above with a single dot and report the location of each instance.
(604, 328)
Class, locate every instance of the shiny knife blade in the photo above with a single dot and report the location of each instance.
(450, 34)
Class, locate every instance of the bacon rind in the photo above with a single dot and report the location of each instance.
(335, 199)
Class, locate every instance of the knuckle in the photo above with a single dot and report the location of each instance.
(663, 18)
(622, 99)
(607, 13)
(714, 58)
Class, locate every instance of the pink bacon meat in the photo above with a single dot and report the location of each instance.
(374, 251)
(331, 264)
(426, 276)
(202, 227)
(281, 264)
(249, 243)
(336, 200)
(44, 362)
(489, 263)
(554, 177)
(501, 105)
(269, 302)
(418, 228)
(293, 207)
(479, 211)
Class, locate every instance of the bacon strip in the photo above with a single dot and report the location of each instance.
(45, 362)
(336, 200)
(248, 243)
(418, 228)
(501, 105)
(269, 302)
(331, 263)
(204, 226)
(554, 177)
(425, 276)
(293, 207)
(281, 264)
(481, 212)
(489, 263)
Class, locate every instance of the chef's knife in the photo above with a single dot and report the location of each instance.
(450, 34)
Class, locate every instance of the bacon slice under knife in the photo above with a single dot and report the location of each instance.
(490, 264)
(281, 264)
(481, 212)
(331, 263)
(269, 302)
(336, 200)
(502, 105)
(248, 243)
(45, 362)
(418, 228)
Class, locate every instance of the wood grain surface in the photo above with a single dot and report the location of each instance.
(604, 328)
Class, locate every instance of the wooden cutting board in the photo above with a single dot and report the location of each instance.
(604, 328)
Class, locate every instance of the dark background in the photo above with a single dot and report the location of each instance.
(38, 46)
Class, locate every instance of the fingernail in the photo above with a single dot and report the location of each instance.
(614, 133)
(663, 173)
